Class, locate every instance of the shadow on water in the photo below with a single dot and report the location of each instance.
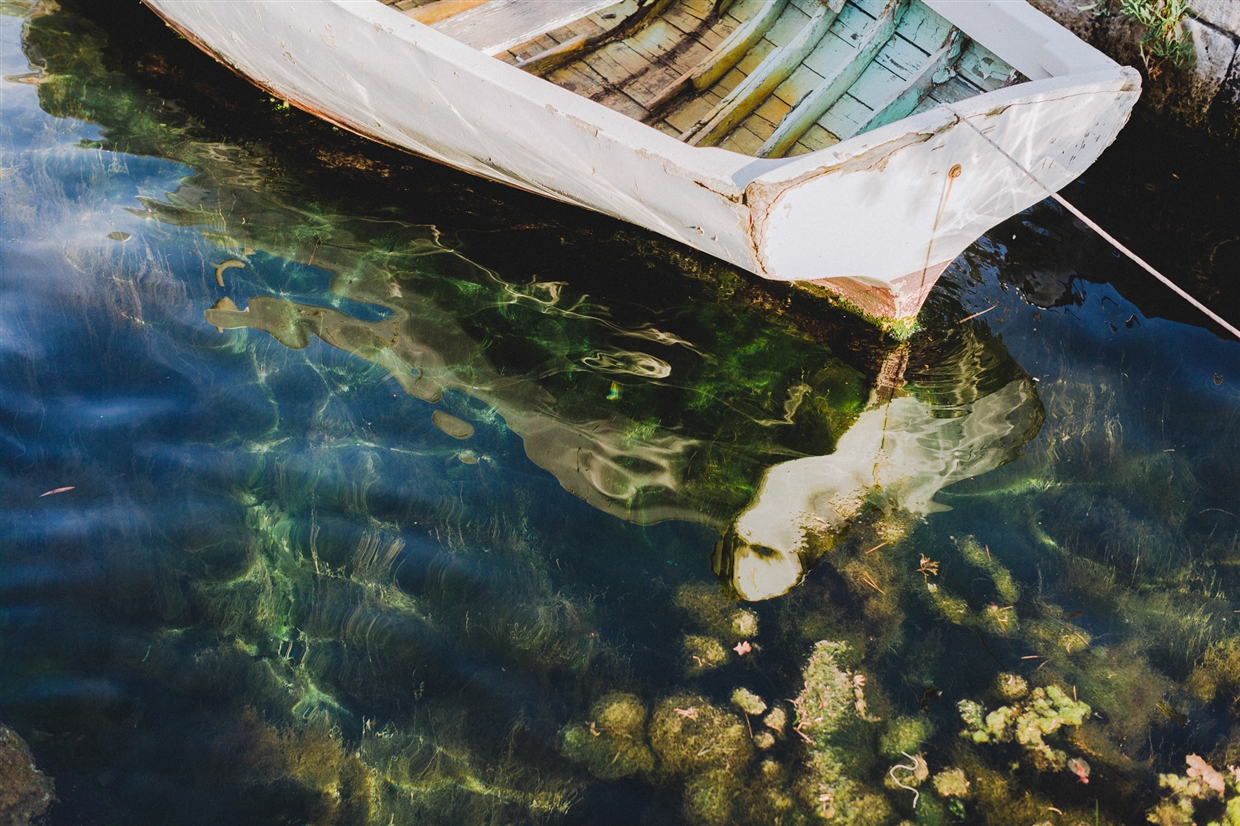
(379, 494)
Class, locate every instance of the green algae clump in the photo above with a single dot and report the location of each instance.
(951, 783)
(703, 653)
(690, 734)
(25, 792)
(904, 735)
(831, 718)
(612, 743)
(711, 746)
(1044, 712)
(748, 702)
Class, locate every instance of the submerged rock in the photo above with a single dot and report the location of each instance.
(25, 792)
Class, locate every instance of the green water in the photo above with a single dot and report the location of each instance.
(451, 505)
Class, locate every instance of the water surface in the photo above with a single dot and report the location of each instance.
(338, 487)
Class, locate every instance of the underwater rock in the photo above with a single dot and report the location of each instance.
(25, 792)
(612, 744)
(454, 427)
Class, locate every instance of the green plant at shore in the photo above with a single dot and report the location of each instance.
(1165, 37)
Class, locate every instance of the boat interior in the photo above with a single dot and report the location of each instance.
(765, 78)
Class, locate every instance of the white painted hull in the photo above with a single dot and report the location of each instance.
(875, 218)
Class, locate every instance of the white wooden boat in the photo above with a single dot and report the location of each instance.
(857, 144)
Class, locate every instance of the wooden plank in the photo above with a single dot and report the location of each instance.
(580, 79)
(759, 125)
(758, 86)
(617, 62)
(850, 27)
(688, 114)
(497, 25)
(901, 57)
(751, 61)
(845, 117)
(875, 86)
(773, 109)
(814, 105)
(618, 101)
(441, 10)
(816, 138)
(913, 91)
(924, 27)
(728, 54)
(656, 40)
(984, 68)
(742, 140)
(801, 83)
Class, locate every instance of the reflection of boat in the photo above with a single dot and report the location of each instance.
(898, 454)
(857, 160)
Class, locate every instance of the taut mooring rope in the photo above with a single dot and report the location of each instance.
(1110, 238)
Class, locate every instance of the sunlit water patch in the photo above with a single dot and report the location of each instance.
(372, 504)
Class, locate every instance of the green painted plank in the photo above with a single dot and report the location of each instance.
(787, 25)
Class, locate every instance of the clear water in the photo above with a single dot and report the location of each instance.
(479, 509)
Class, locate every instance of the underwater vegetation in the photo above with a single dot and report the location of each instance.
(344, 527)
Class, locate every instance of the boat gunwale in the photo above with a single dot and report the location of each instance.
(724, 171)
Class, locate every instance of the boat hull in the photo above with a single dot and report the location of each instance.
(875, 218)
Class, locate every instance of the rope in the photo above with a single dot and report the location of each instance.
(1110, 238)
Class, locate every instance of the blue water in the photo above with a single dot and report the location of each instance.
(255, 575)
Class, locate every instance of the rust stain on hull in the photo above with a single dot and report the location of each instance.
(901, 298)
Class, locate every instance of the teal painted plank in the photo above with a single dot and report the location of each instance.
(836, 84)
(984, 69)
(847, 116)
(914, 90)
(876, 85)
(787, 26)
(901, 57)
(873, 8)
(923, 27)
